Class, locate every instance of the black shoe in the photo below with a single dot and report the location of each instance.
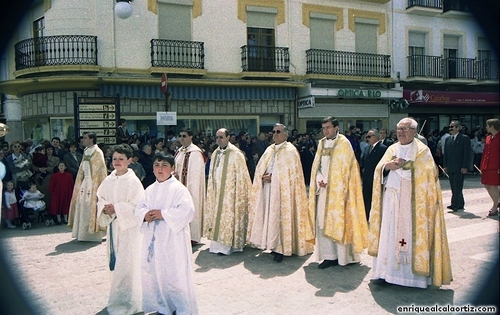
(58, 222)
(221, 254)
(328, 263)
(450, 207)
(278, 257)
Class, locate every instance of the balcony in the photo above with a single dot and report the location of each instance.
(457, 9)
(345, 63)
(180, 56)
(487, 70)
(425, 7)
(424, 68)
(436, 69)
(265, 59)
(61, 50)
(458, 68)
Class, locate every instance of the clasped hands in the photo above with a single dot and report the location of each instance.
(109, 209)
(395, 164)
(153, 215)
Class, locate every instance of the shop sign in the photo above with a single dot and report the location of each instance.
(423, 97)
(359, 93)
(305, 102)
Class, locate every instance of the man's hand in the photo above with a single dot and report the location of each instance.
(109, 209)
(395, 164)
(322, 184)
(266, 178)
(153, 215)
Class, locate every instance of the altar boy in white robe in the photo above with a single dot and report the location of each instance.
(166, 266)
(117, 197)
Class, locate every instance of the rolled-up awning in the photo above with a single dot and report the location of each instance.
(199, 93)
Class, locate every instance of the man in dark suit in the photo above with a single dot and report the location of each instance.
(455, 161)
(372, 155)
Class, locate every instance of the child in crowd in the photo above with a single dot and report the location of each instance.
(32, 199)
(61, 190)
(137, 167)
(10, 211)
(39, 162)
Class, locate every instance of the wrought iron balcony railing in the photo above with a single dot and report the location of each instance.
(456, 5)
(434, 4)
(348, 63)
(487, 69)
(56, 50)
(424, 66)
(458, 68)
(177, 54)
(264, 58)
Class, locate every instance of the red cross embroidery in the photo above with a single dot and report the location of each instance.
(402, 242)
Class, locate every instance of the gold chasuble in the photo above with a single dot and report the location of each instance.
(279, 218)
(430, 254)
(228, 191)
(345, 218)
(83, 207)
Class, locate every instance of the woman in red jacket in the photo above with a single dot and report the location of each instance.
(490, 163)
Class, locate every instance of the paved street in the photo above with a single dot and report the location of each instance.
(62, 276)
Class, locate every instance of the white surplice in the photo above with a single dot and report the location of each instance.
(124, 192)
(166, 263)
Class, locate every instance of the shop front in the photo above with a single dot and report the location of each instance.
(364, 108)
(436, 109)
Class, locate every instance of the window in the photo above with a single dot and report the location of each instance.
(260, 33)
(322, 31)
(366, 38)
(450, 54)
(174, 21)
(416, 51)
(38, 27)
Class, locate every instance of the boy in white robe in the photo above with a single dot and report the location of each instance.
(117, 197)
(166, 266)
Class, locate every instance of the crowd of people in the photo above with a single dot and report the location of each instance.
(366, 190)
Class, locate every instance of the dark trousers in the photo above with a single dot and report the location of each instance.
(457, 185)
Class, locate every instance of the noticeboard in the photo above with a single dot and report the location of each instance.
(99, 115)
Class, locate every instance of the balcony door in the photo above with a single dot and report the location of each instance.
(261, 49)
(450, 54)
(39, 48)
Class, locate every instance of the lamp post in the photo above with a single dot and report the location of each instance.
(123, 9)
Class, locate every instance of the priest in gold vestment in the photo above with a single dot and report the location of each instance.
(226, 204)
(82, 216)
(336, 197)
(279, 219)
(407, 228)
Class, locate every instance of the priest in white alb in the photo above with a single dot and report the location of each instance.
(336, 197)
(279, 218)
(190, 171)
(228, 191)
(407, 228)
(82, 216)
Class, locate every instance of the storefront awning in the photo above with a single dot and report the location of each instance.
(447, 98)
(199, 93)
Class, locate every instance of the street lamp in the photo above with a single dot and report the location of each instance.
(123, 9)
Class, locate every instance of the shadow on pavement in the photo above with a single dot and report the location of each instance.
(262, 263)
(464, 214)
(390, 296)
(335, 279)
(73, 246)
(208, 261)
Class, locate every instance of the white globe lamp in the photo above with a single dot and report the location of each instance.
(123, 9)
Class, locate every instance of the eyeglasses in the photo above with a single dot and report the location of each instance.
(219, 137)
(16, 146)
(277, 131)
(451, 126)
(405, 129)
(183, 136)
(369, 136)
